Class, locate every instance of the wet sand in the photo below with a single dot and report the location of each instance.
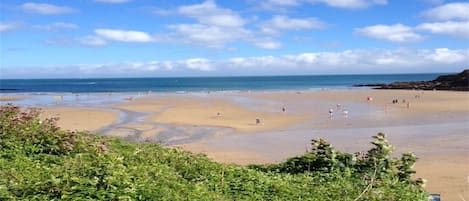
(432, 124)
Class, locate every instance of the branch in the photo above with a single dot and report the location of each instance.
(370, 185)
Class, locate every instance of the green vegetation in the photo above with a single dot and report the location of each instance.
(38, 161)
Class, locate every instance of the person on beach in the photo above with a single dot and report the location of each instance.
(58, 99)
(284, 109)
(331, 112)
(258, 121)
(345, 113)
(129, 98)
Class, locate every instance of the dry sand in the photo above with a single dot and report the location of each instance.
(87, 119)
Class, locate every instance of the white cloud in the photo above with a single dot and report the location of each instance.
(283, 2)
(92, 41)
(447, 56)
(199, 64)
(355, 61)
(209, 13)
(278, 5)
(56, 26)
(348, 61)
(350, 4)
(123, 35)
(449, 11)
(9, 26)
(46, 9)
(458, 29)
(113, 1)
(205, 35)
(281, 22)
(266, 43)
(394, 33)
(215, 26)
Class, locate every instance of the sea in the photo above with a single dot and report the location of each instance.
(201, 84)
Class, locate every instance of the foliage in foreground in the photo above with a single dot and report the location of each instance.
(38, 161)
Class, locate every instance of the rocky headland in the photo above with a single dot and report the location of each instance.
(452, 82)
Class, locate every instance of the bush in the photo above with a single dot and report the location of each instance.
(41, 162)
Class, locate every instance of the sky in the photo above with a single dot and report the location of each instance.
(147, 38)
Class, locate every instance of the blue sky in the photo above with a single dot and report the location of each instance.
(145, 38)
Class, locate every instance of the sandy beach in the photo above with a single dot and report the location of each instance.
(82, 119)
(208, 111)
(432, 124)
(6, 98)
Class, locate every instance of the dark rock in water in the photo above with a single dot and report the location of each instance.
(370, 85)
(453, 82)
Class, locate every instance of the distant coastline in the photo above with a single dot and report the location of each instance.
(450, 82)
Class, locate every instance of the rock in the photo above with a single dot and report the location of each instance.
(453, 82)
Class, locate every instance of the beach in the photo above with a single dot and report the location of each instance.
(269, 126)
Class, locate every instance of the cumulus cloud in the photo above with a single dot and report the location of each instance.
(394, 33)
(209, 13)
(113, 1)
(206, 35)
(447, 56)
(9, 26)
(46, 9)
(458, 29)
(350, 4)
(348, 61)
(123, 35)
(281, 22)
(459, 11)
(214, 27)
(354, 61)
(56, 26)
